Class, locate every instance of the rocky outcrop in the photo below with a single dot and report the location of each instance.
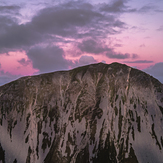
(97, 113)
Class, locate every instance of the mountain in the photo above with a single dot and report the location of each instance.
(98, 113)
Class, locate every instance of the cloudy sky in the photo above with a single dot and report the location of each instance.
(44, 36)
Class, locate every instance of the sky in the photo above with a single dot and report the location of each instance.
(45, 36)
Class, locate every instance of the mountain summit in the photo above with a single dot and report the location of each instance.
(97, 113)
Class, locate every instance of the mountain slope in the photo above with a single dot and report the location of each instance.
(96, 113)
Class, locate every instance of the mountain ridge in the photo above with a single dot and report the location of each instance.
(86, 66)
(96, 113)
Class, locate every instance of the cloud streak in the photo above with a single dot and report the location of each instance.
(139, 61)
(114, 55)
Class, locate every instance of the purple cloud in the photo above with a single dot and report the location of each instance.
(156, 71)
(114, 55)
(49, 58)
(6, 77)
(92, 46)
(84, 60)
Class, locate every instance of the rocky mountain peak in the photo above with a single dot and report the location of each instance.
(95, 113)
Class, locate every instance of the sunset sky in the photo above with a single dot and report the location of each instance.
(44, 36)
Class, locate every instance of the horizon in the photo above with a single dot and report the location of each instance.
(73, 69)
(38, 37)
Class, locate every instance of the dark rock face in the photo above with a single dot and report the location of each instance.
(2, 154)
(93, 114)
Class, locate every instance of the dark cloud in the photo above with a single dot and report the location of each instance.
(92, 46)
(51, 58)
(24, 62)
(149, 8)
(146, 8)
(48, 59)
(115, 55)
(18, 36)
(159, 10)
(96, 47)
(139, 61)
(117, 6)
(72, 20)
(77, 5)
(9, 9)
(156, 71)
(120, 6)
(63, 21)
(5, 23)
(119, 24)
(134, 56)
